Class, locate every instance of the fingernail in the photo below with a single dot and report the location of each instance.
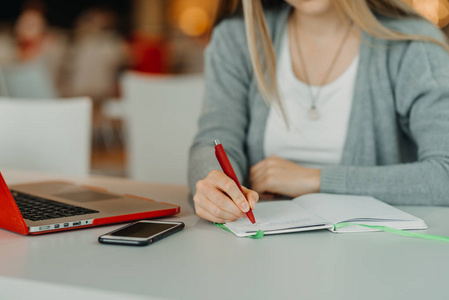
(253, 204)
(244, 206)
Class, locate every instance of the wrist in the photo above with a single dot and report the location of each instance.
(315, 180)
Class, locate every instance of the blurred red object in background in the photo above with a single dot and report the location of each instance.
(150, 54)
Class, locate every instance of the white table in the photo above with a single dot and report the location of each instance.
(206, 262)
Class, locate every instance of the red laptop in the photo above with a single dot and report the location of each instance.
(51, 206)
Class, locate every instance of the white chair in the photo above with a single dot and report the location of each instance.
(161, 120)
(46, 135)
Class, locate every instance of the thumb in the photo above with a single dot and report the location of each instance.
(251, 196)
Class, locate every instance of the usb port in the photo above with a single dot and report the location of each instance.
(66, 224)
(76, 223)
(56, 226)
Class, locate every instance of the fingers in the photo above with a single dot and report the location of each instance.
(280, 176)
(222, 182)
(263, 176)
(269, 196)
(218, 198)
(257, 171)
(261, 170)
(213, 214)
(218, 204)
(262, 186)
(207, 216)
(260, 182)
(252, 196)
(265, 163)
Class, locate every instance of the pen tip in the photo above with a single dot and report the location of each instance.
(216, 142)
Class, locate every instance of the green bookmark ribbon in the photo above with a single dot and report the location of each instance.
(398, 232)
(259, 234)
(426, 236)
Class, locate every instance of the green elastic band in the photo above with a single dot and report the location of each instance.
(399, 232)
(432, 237)
(259, 234)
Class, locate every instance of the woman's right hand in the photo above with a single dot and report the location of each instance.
(218, 198)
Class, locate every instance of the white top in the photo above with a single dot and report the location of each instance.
(310, 143)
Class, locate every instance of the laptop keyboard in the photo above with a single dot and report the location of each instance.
(37, 209)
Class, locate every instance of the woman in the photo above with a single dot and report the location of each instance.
(358, 103)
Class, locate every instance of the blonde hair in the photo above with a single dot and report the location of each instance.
(360, 12)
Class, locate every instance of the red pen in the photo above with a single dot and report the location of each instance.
(228, 170)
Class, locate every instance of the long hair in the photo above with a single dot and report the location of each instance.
(361, 12)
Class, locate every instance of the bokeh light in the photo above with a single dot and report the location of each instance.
(194, 21)
(436, 11)
(193, 17)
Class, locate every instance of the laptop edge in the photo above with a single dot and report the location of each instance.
(11, 218)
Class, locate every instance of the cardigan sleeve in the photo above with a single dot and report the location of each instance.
(422, 100)
(225, 109)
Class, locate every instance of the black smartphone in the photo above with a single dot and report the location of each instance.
(141, 233)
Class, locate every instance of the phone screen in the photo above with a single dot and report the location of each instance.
(142, 229)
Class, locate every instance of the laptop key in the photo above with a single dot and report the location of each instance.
(37, 209)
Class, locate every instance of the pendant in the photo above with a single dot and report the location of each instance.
(313, 114)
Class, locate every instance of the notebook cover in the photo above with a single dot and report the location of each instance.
(10, 217)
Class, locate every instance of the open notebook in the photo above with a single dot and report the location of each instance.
(323, 211)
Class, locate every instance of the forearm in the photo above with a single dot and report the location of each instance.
(420, 183)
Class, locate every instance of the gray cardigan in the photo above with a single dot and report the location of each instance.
(397, 145)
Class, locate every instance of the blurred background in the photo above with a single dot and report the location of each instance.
(51, 50)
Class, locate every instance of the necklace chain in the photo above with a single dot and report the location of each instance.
(313, 112)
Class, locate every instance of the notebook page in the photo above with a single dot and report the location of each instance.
(347, 208)
(277, 217)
